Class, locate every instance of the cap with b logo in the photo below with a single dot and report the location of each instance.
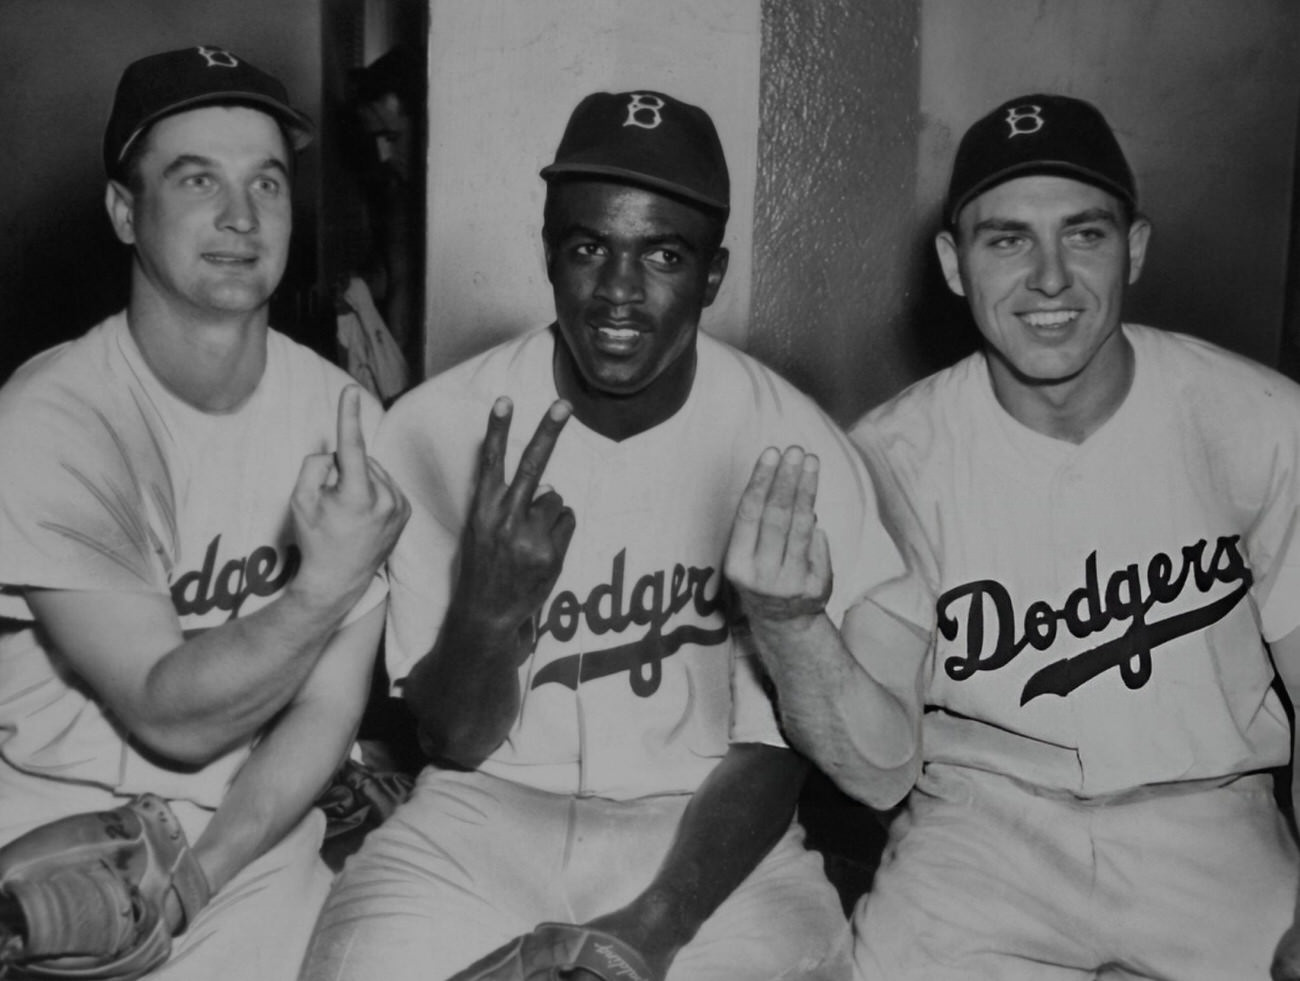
(645, 138)
(1039, 134)
(174, 81)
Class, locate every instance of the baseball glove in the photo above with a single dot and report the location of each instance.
(101, 894)
(358, 800)
(553, 950)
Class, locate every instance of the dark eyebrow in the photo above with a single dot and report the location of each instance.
(678, 242)
(572, 229)
(197, 160)
(1085, 217)
(1091, 215)
(186, 160)
(999, 225)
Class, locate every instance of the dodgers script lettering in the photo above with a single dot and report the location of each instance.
(227, 589)
(982, 615)
(611, 608)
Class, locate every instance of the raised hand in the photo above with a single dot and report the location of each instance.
(518, 532)
(347, 513)
(778, 560)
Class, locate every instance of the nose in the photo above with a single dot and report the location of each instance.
(619, 282)
(1050, 274)
(238, 212)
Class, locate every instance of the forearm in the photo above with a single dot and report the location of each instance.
(1286, 956)
(465, 692)
(188, 699)
(293, 761)
(731, 823)
(1295, 801)
(1286, 661)
(859, 732)
(217, 689)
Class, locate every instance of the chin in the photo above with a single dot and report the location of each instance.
(1040, 371)
(237, 301)
(605, 374)
(617, 387)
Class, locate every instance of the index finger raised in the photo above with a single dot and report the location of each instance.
(537, 453)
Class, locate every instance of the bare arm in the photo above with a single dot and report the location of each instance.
(465, 691)
(1286, 660)
(862, 727)
(294, 760)
(191, 700)
(733, 820)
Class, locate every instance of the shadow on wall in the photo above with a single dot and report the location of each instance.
(929, 329)
(70, 271)
(62, 269)
(939, 328)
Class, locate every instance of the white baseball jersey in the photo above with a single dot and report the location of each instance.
(1100, 610)
(629, 690)
(112, 483)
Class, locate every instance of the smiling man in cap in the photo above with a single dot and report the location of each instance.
(1100, 524)
(608, 790)
(191, 542)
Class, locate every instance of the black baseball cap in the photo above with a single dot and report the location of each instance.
(1039, 134)
(649, 139)
(174, 81)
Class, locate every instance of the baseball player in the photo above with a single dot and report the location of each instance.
(1099, 520)
(608, 792)
(191, 537)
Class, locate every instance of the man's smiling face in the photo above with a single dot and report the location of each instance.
(1043, 262)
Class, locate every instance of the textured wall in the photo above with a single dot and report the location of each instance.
(504, 76)
(1204, 96)
(861, 108)
(837, 254)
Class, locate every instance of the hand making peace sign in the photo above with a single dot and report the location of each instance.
(518, 532)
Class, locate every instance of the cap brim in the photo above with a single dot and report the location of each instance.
(301, 130)
(578, 169)
(1062, 168)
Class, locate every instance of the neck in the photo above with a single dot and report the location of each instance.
(212, 362)
(1074, 408)
(619, 417)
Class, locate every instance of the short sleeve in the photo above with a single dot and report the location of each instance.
(1273, 538)
(86, 501)
(753, 714)
(1245, 419)
(910, 592)
(436, 477)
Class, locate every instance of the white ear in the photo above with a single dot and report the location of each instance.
(1139, 233)
(946, 246)
(120, 203)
